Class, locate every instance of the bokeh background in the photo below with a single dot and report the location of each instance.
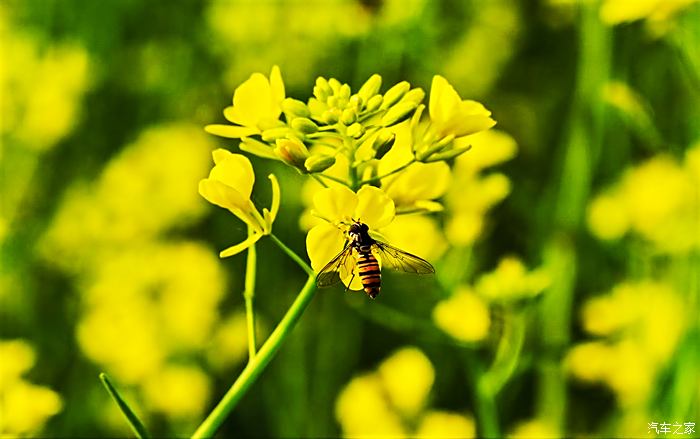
(566, 298)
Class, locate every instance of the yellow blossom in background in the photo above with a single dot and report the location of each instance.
(471, 193)
(339, 206)
(535, 428)
(24, 407)
(464, 316)
(228, 345)
(148, 188)
(256, 106)
(511, 281)
(180, 391)
(618, 11)
(230, 185)
(363, 411)
(417, 234)
(408, 365)
(658, 200)
(642, 324)
(441, 424)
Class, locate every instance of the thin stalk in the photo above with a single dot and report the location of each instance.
(131, 418)
(337, 180)
(257, 364)
(318, 179)
(248, 296)
(293, 255)
(486, 411)
(388, 174)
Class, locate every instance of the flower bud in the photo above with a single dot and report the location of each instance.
(293, 152)
(331, 116)
(370, 88)
(398, 113)
(395, 93)
(275, 133)
(374, 102)
(416, 95)
(335, 85)
(304, 125)
(355, 102)
(319, 162)
(355, 130)
(348, 117)
(383, 143)
(344, 92)
(429, 150)
(257, 148)
(322, 89)
(296, 108)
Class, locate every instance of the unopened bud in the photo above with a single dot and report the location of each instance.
(322, 89)
(275, 133)
(355, 130)
(370, 88)
(344, 92)
(448, 155)
(335, 85)
(429, 150)
(331, 116)
(319, 162)
(296, 108)
(304, 125)
(398, 113)
(355, 102)
(348, 117)
(395, 93)
(293, 152)
(416, 95)
(383, 143)
(374, 102)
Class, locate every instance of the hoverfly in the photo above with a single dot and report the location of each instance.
(367, 250)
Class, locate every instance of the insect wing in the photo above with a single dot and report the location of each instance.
(339, 267)
(400, 260)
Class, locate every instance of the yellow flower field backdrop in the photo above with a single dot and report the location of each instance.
(167, 172)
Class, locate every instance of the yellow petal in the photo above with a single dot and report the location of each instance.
(230, 131)
(276, 196)
(374, 207)
(234, 170)
(225, 196)
(443, 99)
(235, 249)
(277, 87)
(323, 243)
(336, 203)
(421, 181)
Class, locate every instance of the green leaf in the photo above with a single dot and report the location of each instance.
(133, 420)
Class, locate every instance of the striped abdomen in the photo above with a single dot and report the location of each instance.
(370, 273)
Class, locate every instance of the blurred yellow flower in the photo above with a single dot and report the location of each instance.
(450, 115)
(618, 11)
(180, 391)
(535, 428)
(256, 106)
(466, 214)
(464, 316)
(339, 206)
(417, 234)
(230, 185)
(511, 281)
(363, 411)
(658, 199)
(24, 407)
(441, 424)
(407, 365)
(642, 324)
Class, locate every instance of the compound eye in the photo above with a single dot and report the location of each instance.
(354, 228)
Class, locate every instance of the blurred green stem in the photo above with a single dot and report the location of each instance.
(248, 295)
(293, 255)
(258, 364)
(388, 174)
(131, 418)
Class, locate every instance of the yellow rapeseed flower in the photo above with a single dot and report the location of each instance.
(339, 206)
(511, 281)
(407, 376)
(230, 185)
(179, 391)
(450, 115)
(442, 424)
(464, 316)
(256, 106)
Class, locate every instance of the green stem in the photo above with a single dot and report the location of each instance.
(293, 255)
(131, 418)
(337, 180)
(318, 179)
(388, 174)
(257, 364)
(248, 295)
(486, 411)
